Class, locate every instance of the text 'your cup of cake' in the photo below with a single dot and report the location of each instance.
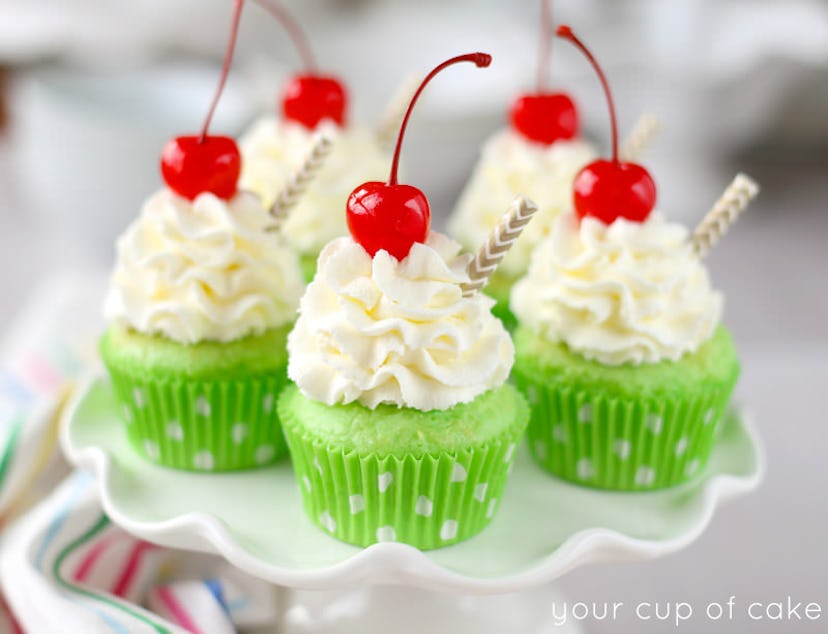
(199, 307)
(620, 349)
(401, 424)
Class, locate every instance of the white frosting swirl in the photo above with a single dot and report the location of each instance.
(272, 149)
(378, 330)
(203, 270)
(510, 166)
(625, 293)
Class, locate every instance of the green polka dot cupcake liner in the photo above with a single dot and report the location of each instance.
(626, 444)
(203, 425)
(427, 501)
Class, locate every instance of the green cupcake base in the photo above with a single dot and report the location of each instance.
(416, 493)
(500, 288)
(202, 407)
(626, 428)
(307, 262)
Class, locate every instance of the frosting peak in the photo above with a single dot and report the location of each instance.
(377, 330)
(203, 270)
(627, 292)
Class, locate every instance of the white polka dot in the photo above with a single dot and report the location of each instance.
(138, 398)
(306, 481)
(204, 460)
(202, 406)
(559, 433)
(238, 432)
(490, 510)
(692, 467)
(654, 423)
(645, 476)
(267, 403)
(448, 530)
(357, 503)
(708, 416)
(424, 506)
(622, 448)
(458, 473)
(681, 446)
(384, 481)
(318, 466)
(328, 522)
(585, 413)
(480, 491)
(175, 431)
(152, 450)
(540, 450)
(264, 454)
(129, 417)
(510, 451)
(386, 534)
(532, 394)
(585, 469)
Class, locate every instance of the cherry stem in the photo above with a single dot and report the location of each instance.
(294, 30)
(545, 45)
(565, 32)
(481, 60)
(225, 70)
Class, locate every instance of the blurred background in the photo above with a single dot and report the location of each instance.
(91, 89)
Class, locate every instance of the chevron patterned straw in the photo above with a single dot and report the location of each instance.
(500, 240)
(298, 183)
(724, 213)
(644, 131)
(395, 110)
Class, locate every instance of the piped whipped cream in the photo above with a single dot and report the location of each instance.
(627, 292)
(378, 330)
(510, 166)
(203, 270)
(273, 149)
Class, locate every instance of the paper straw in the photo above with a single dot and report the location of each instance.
(298, 183)
(389, 125)
(724, 213)
(500, 240)
(644, 131)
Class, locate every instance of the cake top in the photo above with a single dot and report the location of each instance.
(205, 269)
(382, 330)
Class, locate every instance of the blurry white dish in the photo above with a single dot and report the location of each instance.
(254, 519)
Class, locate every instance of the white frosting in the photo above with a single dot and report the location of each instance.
(624, 293)
(203, 270)
(273, 149)
(510, 166)
(377, 330)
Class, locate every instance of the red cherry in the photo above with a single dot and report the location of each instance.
(388, 215)
(310, 99)
(191, 166)
(195, 164)
(612, 189)
(607, 190)
(545, 117)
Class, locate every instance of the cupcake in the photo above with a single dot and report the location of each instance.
(620, 348)
(275, 145)
(537, 156)
(401, 425)
(198, 311)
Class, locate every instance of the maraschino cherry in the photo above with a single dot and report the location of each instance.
(199, 163)
(613, 189)
(309, 97)
(544, 116)
(392, 216)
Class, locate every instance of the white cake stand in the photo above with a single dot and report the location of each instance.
(544, 528)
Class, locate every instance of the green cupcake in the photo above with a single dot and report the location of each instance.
(621, 355)
(199, 307)
(401, 427)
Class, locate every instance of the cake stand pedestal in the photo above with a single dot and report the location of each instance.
(545, 527)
